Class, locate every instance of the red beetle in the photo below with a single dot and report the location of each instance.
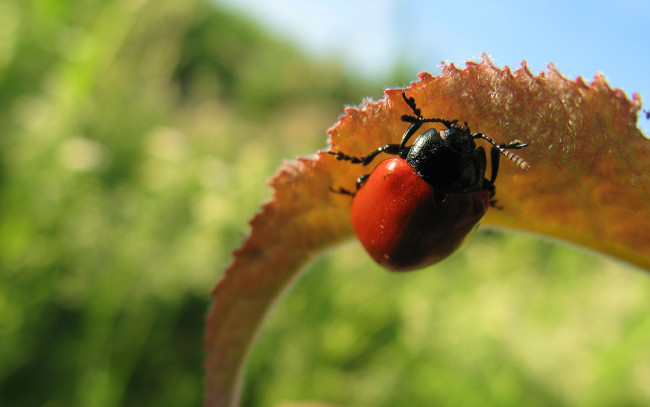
(416, 209)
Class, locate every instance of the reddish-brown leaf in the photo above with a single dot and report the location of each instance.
(589, 184)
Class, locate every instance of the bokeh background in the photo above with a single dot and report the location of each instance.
(135, 140)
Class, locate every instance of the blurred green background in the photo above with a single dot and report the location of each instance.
(135, 140)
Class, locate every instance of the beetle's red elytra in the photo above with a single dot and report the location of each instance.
(402, 225)
(416, 209)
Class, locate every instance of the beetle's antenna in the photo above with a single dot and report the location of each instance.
(514, 145)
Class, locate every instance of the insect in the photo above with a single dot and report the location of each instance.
(417, 208)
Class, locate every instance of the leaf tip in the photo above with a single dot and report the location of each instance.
(486, 59)
(425, 76)
(448, 68)
(524, 69)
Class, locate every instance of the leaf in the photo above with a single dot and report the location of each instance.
(589, 184)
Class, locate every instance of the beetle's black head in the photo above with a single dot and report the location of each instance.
(458, 138)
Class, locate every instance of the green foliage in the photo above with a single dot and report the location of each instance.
(507, 321)
(128, 169)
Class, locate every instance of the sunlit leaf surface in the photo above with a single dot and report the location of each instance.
(588, 184)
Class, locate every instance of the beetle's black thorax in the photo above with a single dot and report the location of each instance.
(448, 160)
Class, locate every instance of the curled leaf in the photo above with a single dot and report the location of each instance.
(589, 184)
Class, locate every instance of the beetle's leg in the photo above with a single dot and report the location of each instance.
(415, 126)
(365, 160)
(414, 119)
(418, 114)
(410, 101)
(493, 204)
(495, 155)
(342, 191)
(360, 181)
(488, 184)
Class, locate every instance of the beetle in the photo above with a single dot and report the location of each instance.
(417, 208)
